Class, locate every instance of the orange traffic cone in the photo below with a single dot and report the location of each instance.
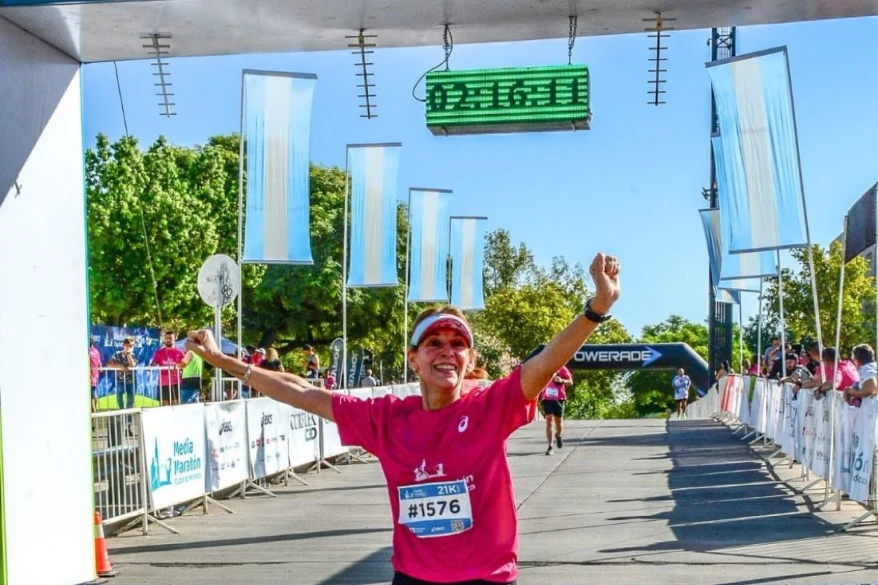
(102, 558)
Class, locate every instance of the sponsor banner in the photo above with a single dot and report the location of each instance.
(331, 439)
(820, 461)
(863, 447)
(303, 437)
(226, 430)
(267, 431)
(845, 420)
(174, 441)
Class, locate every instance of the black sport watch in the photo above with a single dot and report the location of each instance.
(592, 316)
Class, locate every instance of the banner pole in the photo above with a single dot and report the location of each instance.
(832, 394)
(783, 326)
(759, 332)
(741, 338)
(240, 234)
(840, 301)
(405, 296)
(805, 208)
(343, 383)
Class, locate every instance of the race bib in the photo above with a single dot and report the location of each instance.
(552, 393)
(435, 509)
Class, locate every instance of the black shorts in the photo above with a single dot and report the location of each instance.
(191, 384)
(554, 407)
(403, 579)
(168, 394)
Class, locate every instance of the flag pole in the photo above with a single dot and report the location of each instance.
(240, 233)
(405, 296)
(343, 383)
(783, 325)
(759, 332)
(741, 335)
(805, 211)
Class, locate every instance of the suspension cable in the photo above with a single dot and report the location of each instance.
(155, 285)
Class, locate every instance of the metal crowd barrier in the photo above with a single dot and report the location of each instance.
(128, 473)
(140, 381)
(842, 455)
(118, 463)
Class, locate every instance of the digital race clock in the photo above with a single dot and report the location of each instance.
(526, 99)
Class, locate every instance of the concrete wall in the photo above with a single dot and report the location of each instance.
(44, 394)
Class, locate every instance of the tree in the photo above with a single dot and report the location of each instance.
(652, 389)
(527, 306)
(153, 218)
(858, 306)
(165, 210)
(505, 265)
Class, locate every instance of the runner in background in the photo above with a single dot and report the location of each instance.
(680, 384)
(553, 397)
(443, 453)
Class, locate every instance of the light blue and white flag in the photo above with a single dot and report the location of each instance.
(428, 246)
(276, 129)
(467, 262)
(374, 169)
(728, 291)
(754, 105)
(746, 264)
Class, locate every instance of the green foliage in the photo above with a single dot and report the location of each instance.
(156, 214)
(858, 305)
(172, 207)
(527, 306)
(652, 389)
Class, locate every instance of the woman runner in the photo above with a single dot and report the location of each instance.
(443, 453)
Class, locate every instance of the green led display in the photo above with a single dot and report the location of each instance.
(526, 99)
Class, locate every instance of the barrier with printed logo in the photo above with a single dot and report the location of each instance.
(173, 438)
(828, 437)
(226, 429)
(303, 435)
(267, 436)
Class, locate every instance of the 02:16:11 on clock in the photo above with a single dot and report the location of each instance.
(516, 96)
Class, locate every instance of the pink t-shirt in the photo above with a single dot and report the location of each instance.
(449, 466)
(94, 359)
(169, 356)
(846, 376)
(554, 391)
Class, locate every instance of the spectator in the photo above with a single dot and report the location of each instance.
(94, 362)
(190, 387)
(255, 357)
(168, 358)
(272, 361)
(754, 366)
(864, 358)
(124, 361)
(772, 354)
(794, 374)
(328, 380)
(844, 377)
(312, 363)
(812, 359)
(368, 381)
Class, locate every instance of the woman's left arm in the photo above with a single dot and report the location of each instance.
(537, 371)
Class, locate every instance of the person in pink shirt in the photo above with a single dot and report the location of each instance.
(443, 453)
(845, 377)
(169, 358)
(94, 363)
(552, 398)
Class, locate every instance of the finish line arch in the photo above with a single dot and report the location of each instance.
(635, 357)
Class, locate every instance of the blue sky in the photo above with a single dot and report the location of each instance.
(630, 186)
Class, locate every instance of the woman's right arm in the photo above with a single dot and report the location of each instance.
(292, 390)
